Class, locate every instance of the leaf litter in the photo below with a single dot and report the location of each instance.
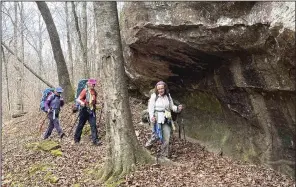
(22, 166)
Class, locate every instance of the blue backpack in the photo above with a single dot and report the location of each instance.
(81, 85)
(45, 95)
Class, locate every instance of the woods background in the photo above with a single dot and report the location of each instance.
(24, 33)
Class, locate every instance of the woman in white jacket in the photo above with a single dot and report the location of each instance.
(159, 107)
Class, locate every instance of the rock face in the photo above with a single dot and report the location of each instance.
(231, 63)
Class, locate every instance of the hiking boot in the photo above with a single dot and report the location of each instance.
(148, 145)
(74, 142)
(62, 135)
(164, 159)
(97, 143)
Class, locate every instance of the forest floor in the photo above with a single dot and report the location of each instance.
(27, 160)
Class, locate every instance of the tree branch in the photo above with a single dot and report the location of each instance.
(26, 66)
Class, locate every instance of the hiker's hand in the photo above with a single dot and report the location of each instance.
(153, 119)
(180, 107)
(82, 104)
(48, 110)
(98, 106)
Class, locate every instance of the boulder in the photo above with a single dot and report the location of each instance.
(231, 63)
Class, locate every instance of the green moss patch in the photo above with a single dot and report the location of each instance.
(48, 145)
(44, 145)
(49, 177)
(38, 168)
(203, 101)
(56, 152)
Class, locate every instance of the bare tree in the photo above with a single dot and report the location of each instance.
(123, 149)
(69, 42)
(85, 36)
(37, 45)
(19, 108)
(26, 66)
(7, 81)
(62, 70)
(22, 22)
(81, 43)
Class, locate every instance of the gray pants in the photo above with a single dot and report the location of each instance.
(166, 134)
(53, 123)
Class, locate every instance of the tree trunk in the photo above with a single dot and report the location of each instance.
(94, 49)
(7, 82)
(40, 48)
(62, 70)
(83, 49)
(19, 102)
(22, 55)
(123, 149)
(84, 39)
(69, 43)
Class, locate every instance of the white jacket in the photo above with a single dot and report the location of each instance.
(161, 104)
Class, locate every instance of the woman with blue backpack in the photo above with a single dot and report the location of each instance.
(52, 105)
(87, 100)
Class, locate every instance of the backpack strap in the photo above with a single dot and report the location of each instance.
(169, 96)
(87, 95)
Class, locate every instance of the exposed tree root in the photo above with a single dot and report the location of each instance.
(111, 176)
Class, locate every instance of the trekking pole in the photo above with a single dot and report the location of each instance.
(157, 156)
(183, 128)
(74, 123)
(160, 138)
(179, 124)
(42, 123)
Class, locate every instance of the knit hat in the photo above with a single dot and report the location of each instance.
(160, 83)
(91, 81)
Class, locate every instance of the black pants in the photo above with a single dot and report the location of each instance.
(85, 115)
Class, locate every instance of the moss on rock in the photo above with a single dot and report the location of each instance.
(32, 146)
(49, 177)
(56, 152)
(48, 145)
(37, 168)
(203, 101)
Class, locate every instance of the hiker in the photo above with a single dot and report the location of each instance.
(52, 105)
(159, 106)
(87, 101)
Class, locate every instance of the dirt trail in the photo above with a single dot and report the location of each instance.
(25, 165)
